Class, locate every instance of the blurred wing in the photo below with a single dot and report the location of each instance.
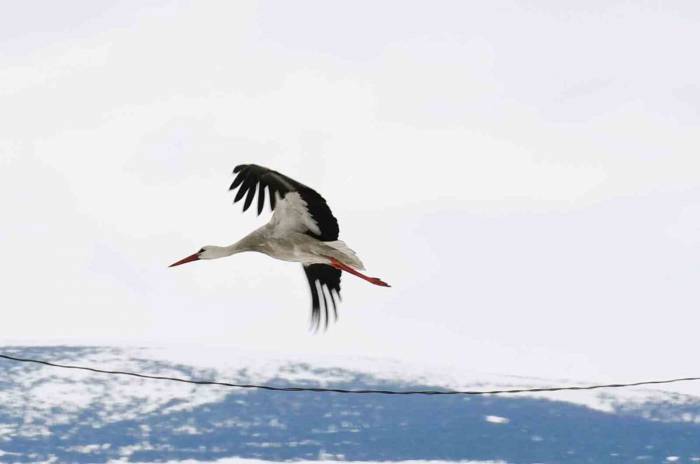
(305, 211)
(323, 279)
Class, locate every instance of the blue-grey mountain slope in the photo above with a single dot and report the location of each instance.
(50, 414)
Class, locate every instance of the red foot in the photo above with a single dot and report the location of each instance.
(378, 281)
(373, 280)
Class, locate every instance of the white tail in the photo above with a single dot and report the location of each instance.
(350, 255)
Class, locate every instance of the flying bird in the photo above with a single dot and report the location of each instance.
(302, 229)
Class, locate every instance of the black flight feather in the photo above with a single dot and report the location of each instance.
(328, 278)
(248, 176)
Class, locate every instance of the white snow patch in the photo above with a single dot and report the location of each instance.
(5, 431)
(87, 449)
(275, 423)
(497, 419)
(187, 430)
(43, 390)
(131, 449)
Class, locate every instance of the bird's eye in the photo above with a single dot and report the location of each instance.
(201, 250)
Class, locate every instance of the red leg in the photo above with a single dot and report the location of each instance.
(374, 280)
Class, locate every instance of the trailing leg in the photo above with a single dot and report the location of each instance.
(373, 280)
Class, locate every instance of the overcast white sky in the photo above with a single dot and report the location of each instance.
(525, 174)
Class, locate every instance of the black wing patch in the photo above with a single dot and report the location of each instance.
(251, 177)
(328, 279)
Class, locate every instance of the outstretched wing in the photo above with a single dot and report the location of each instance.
(323, 279)
(303, 210)
(314, 209)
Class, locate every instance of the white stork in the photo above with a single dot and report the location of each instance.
(302, 229)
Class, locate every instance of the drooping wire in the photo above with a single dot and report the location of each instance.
(351, 391)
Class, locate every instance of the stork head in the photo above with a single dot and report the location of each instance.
(207, 252)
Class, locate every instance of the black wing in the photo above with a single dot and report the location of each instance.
(252, 177)
(328, 279)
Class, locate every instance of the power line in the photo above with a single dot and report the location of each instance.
(351, 391)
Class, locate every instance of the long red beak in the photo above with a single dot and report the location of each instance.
(189, 259)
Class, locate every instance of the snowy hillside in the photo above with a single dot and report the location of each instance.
(55, 415)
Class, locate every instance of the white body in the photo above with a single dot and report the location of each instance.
(284, 238)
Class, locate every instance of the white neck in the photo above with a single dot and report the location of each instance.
(214, 252)
(247, 243)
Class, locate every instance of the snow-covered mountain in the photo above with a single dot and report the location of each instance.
(57, 415)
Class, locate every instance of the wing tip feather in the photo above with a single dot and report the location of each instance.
(324, 279)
